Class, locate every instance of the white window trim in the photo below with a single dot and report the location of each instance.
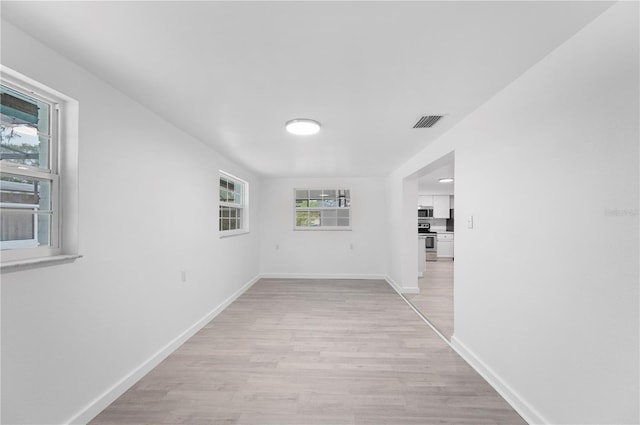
(322, 228)
(245, 207)
(63, 162)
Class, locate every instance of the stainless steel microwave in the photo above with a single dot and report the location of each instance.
(425, 213)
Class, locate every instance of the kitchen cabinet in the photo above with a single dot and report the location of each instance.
(425, 201)
(441, 206)
(445, 245)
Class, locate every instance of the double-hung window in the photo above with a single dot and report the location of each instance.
(31, 224)
(233, 217)
(29, 173)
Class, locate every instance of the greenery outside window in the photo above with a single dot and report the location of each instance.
(322, 209)
(232, 217)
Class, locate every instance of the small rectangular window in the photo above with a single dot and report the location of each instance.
(322, 209)
(232, 218)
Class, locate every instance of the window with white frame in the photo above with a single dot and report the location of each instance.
(322, 209)
(29, 172)
(233, 205)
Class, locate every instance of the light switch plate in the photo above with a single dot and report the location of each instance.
(470, 222)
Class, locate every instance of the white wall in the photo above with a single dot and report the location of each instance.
(546, 296)
(323, 253)
(148, 208)
(552, 316)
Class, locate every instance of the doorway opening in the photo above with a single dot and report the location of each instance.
(436, 244)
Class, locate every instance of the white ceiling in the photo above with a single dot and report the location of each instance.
(429, 184)
(232, 73)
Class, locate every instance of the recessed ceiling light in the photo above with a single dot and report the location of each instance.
(302, 126)
(446, 180)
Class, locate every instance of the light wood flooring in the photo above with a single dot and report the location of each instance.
(313, 352)
(435, 300)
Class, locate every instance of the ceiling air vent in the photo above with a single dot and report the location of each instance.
(427, 121)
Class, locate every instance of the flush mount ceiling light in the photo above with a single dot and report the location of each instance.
(446, 180)
(302, 126)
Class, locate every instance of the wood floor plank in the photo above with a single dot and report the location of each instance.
(313, 352)
(435, 300)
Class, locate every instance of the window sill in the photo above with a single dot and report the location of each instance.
(228, 233)
(42, 261)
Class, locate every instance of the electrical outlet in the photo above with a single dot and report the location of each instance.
(183, 276)
(470, 222)
(351, 245)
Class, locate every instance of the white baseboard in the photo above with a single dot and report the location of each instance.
(393, 284)
(524, 409)
(109, 396)
(400, 290)
(321, 276)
